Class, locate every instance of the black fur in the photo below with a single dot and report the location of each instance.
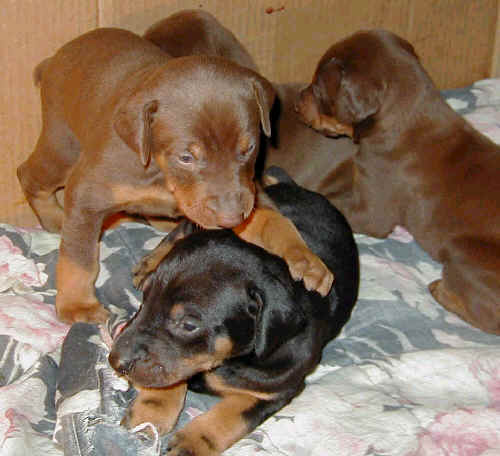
(232, 290)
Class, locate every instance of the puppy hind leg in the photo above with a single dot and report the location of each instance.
(449, 300)
(42, 174)
(463, 297)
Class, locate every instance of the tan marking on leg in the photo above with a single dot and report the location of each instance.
(218, 384)
(75, 300)
(272, 231)
(160, 407)
(150, 262)
(216, 430)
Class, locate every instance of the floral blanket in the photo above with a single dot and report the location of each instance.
(404, 378)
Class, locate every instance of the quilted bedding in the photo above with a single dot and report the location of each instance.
(405, 377)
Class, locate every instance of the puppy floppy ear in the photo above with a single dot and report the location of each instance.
(280, 317)
(264, 95)
(353, 97)
(133, 123)
(357, 98)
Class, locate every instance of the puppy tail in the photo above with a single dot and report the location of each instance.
(276, 175)
(38, 72)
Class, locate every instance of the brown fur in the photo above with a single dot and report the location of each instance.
(159, 406)
(196, 32)
(212, 432)
(419, 165)
(314, 161)
(126, 127)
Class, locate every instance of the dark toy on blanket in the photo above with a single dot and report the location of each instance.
(228, 317)
(419, 165)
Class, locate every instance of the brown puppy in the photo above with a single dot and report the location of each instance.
(128, 128)
(419, 165)
(314, 161)
(196, 32)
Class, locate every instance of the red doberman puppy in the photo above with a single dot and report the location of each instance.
(419, 165)
(126, 127)
(196, 32)
(292, 144)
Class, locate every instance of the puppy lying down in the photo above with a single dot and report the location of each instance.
(225, 317)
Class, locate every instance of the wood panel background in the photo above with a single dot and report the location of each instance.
(458, 42)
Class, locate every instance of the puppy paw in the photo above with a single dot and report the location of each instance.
(142, 412)
(305, 265)
(94, 313)
(160, 407)
(190, 444)
(449, 300)
(142, 269)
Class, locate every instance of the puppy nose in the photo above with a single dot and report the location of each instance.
(228, 209)
(120, 364)
(229, 221)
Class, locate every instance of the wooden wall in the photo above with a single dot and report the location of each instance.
(457, 40)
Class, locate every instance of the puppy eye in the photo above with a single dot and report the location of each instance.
(248, 150)
(188, 326)
(186, 158)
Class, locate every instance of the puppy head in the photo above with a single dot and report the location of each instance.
(198, 118)
(350, 84)
(212, 299)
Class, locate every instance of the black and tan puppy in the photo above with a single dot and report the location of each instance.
(228, 317)
(419, 165)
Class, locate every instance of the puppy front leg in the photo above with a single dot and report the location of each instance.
(78, 264)
(150, 262)
(224, 424)
(277, 234)
(158, 406)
